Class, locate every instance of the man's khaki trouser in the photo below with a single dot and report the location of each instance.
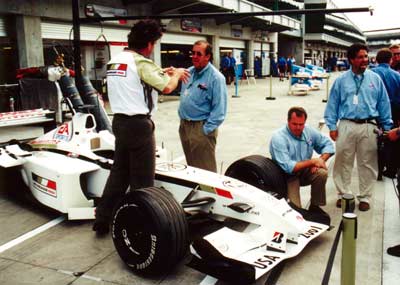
(199, 148)
(356, 141)
(317, 181)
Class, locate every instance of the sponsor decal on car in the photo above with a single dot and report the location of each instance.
(277, 237)
(311, 232)
(215, 190)
(170, 166)
(44, 143)
(44, 185)
(64, 132)
(233, 184)
(266, 261)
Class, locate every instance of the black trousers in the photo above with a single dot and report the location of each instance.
(395, 115)
(392, 149)
(134, 161)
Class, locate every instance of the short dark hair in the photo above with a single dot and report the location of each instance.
(208, 47)
(144, 32)
(384, 55)
(299, 111)
(354, 49)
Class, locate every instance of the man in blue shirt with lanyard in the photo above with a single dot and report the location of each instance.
(358, 101)
(202, 109)
(292, 147)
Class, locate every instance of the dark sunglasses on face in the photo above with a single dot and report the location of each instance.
(196, 53)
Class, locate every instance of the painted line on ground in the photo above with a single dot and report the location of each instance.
(31, 234)
(80, 275)
(209, 280)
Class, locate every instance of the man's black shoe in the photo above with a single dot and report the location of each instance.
(320, 215)
(394, 250)
(101, 228)
(316, 209)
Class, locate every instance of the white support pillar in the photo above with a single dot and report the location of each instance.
(157, 53)
(214, 41)
(250, 54)
(29, 38)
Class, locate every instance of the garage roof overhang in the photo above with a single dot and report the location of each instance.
(276, 23)
(325, 38)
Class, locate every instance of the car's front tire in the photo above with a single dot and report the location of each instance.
(150, 231)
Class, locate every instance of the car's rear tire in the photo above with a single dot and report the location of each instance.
(150, 231)
(260, 172)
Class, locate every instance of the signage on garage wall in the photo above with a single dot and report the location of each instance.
(237, 33)
(97, 11)
(59, 30)
(191, 25)
(2, 28)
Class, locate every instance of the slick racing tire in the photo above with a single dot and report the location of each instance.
(150, 231)
(260, 172)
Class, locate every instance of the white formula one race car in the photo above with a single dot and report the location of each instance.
(156, 228)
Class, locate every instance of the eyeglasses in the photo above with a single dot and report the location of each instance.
(197, 53)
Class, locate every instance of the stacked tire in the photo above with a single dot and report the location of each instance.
(260, 172)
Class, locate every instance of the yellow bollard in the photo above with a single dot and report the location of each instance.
(348, 203)
(348, 265)
(270, 89)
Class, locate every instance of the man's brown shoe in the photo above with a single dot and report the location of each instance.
(339, 203)
(363, 206)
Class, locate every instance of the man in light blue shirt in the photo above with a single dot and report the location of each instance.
(292, 148)
(391, 79)
(203, 104)
(358, 100)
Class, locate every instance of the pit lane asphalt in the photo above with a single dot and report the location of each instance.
(70, 253)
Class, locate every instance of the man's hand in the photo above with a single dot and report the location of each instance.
(334, 135)
(392, 134)
(313, 164)
(318, 163)
(169, 70)
(184, 74)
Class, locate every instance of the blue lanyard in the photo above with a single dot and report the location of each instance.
(358, 86)
(303, 137)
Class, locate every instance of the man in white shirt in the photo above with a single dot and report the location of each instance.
(131, 77)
